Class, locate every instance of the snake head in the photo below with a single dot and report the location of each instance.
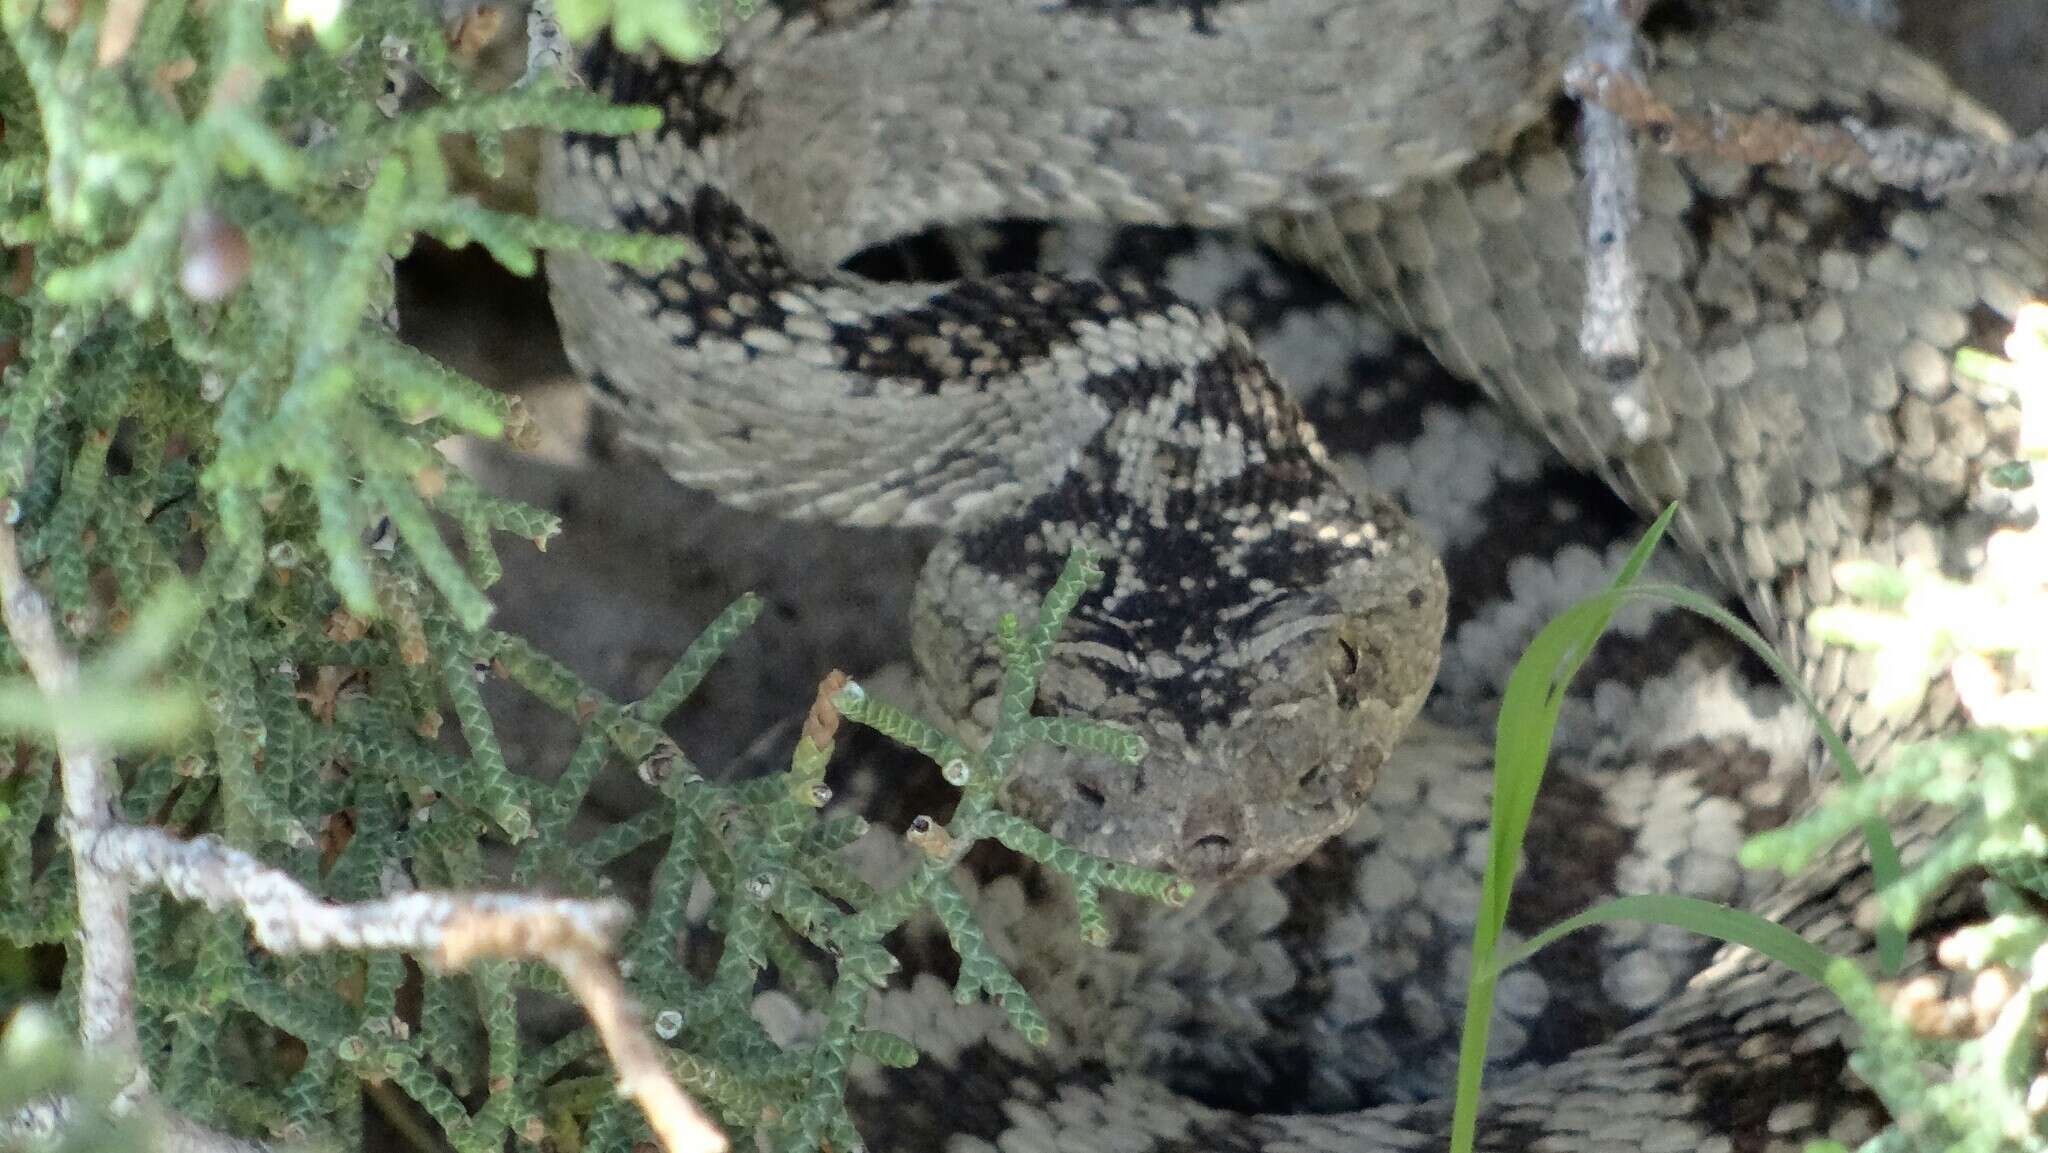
(1267, 708)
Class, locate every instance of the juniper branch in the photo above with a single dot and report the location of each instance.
(111, 858)
(106, 1005)
(106, 951)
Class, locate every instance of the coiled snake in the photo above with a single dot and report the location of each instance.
(1272, 617)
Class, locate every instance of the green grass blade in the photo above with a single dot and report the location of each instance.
(128, 719)
(1522, 740)
(1706, 918)
(1884, 855)
(112, 704)
(1521, 750)
(159, 626)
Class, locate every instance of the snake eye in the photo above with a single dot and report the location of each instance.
(1343, 665)
(1310, 779)
(1346, 667)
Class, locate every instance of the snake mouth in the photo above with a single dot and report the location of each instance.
(1229, 803)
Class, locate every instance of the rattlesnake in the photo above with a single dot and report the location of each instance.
(1270, 627)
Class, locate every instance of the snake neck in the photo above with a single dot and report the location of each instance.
(1268, 633)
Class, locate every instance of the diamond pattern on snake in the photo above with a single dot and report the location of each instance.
(1324, 547)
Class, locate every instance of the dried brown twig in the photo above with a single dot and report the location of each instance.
(1928, 163)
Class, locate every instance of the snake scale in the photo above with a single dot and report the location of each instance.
(1277, 593)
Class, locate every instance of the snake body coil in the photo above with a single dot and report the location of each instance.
(1270, 625)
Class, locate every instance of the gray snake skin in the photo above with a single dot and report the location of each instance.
(1273, 614)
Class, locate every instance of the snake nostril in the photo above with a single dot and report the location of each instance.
(1313, 782)
(1091, 794)
(1213, 853)
(1212, 839)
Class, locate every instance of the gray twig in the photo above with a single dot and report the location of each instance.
(1610, 334)
(106, 987)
